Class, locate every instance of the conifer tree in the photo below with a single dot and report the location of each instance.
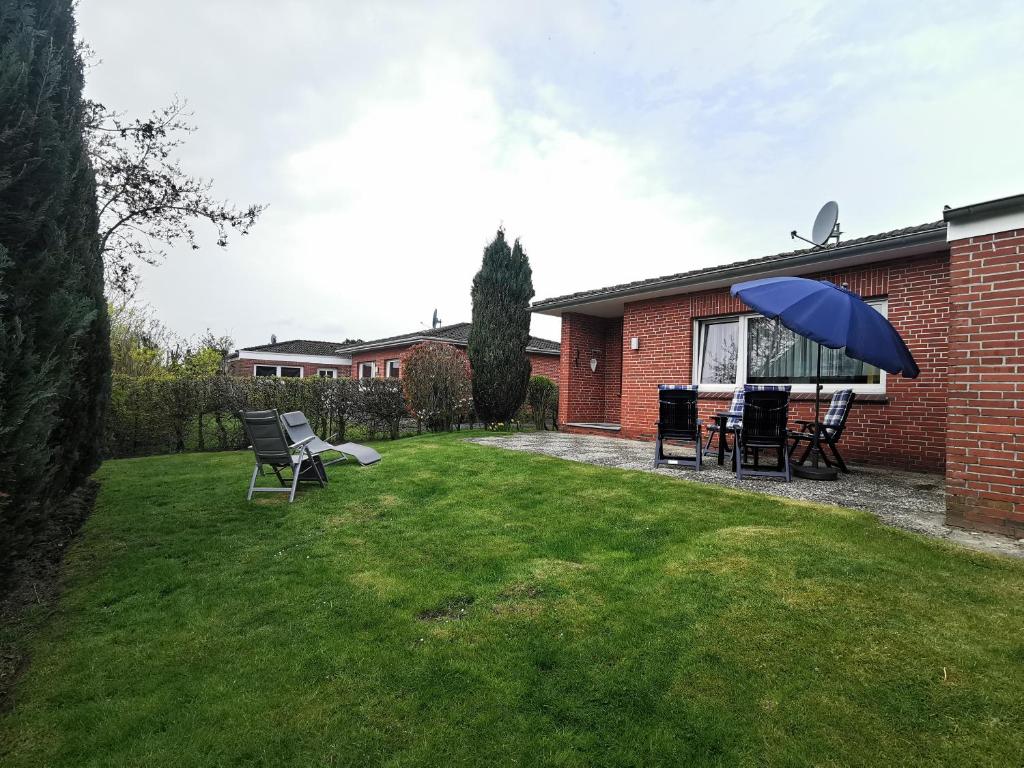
(54, 347)
(502, 290)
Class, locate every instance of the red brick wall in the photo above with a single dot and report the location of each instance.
(907, 430)
(544, 365)
(378, 356)
(985, 449)
(586, 395)
(245, 367)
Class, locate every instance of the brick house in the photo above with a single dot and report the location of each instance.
(379, 358)
(953, 288)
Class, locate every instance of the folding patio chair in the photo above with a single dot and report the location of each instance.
(736, 406)
(298, 428)
(677, 422)
(272, 449)
(830, 430)
(765, 416)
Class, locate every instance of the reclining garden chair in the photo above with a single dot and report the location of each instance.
(677, 422)
(830, 431)
(263, 428)
(765, 417)
(735, 422)
(298, 429)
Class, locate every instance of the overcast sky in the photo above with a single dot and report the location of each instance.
(619, 141)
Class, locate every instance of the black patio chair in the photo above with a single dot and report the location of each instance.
(736, 407)
(765, 416)
(678, 423)
(272, 449)
(829, 431)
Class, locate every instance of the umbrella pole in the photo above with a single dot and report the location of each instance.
(816, 472)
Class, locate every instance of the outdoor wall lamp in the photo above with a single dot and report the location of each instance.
(634, 343)
(593, 360)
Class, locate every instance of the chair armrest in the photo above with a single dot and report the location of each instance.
(303, 442)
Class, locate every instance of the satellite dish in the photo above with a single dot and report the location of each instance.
(825, 223)
(826, 226)
(435, 321)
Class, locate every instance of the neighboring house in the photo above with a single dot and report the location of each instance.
(953, 288)
(297, 358)
(379, 358)
(382, 357)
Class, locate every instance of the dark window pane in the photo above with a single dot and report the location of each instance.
(266, 370)
(776, 355)
(290, 373)
(719, 350)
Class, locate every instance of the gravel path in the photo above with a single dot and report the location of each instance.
(909, 500)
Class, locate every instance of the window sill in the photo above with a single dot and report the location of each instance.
(876, 398)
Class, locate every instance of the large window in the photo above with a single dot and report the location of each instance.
(367, 370)
(719, 343)
(327, 373)
(751, 349)
(392, 369)
(285, 371)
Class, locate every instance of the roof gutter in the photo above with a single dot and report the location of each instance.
(752, 269)
(989, 208)
(408, 342)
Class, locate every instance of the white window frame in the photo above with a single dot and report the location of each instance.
(387, 367)
(277, 370)
(373, 369)
(882, 305)
(332, 373)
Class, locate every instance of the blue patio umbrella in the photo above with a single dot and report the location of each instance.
(834, 317)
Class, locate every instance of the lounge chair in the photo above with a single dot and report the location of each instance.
(830, 431)
(298, 428)
(273, 450)
(765, 416)
(677, 421)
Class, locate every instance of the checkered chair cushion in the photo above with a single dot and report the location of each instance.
(837, 409)
(692, 387)
(738, 399)
(736, 406)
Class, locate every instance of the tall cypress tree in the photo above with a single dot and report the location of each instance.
(54, 345)
(502, 290)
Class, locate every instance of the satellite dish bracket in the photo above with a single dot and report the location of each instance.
(826, 227)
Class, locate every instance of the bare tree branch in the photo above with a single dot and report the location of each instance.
(147, 202)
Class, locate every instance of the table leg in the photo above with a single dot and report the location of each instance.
(721, 441)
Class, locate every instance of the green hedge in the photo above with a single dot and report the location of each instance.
(152, 415)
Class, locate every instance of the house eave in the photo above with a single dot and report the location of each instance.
(408, 342)
(989, 208)
(284, 357)
(611, 303)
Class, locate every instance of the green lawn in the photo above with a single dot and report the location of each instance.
(463, 605)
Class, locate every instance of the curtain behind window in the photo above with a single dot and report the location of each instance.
(719, 346)
(777, 355)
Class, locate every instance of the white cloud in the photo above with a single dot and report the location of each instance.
(423, 181)
(619, 141)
